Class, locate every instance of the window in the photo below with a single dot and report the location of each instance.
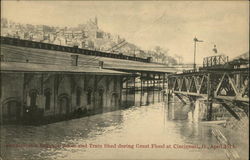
(47, 94)
(89, 97)
(78, 96)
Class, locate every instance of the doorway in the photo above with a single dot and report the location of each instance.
(63, 105)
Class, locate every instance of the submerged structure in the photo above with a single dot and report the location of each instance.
(42, 83)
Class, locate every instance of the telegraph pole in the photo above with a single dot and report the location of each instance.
(195, 40)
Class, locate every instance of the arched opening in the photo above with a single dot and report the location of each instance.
(47, 94)
(63, 104)
(11, 111)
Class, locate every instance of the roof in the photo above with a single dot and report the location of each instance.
(33, 55)
(49, 57)
(35, 67)
(126, 65)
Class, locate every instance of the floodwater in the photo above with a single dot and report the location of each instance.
(133, 133)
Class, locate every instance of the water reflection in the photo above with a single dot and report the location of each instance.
(173, 124)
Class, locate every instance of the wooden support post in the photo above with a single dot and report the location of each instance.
(141, 91)
(95, 89)
(238, 86)
(153, 89)
(127, 91)
(42, 83)
(163, 88)
(147, 94)
(159, 89)
(209, 98)
(121, 86)
(167, 97)
(134, 91)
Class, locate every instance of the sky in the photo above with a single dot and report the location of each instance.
(169, 24)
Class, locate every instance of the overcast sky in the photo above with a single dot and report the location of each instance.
(169, 24)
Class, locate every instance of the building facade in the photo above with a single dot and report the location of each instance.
(45, 83)
(55, 95)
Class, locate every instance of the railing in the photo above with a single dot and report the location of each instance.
(47, 46)
(215, 61)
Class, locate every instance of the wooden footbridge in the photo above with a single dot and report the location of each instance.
(218, 81)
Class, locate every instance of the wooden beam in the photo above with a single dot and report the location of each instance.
(233, 98)
(190, 93)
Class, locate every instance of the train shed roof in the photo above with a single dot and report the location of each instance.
(63, 60)
(35, 67)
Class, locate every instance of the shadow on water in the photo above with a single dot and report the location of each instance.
(156, 123)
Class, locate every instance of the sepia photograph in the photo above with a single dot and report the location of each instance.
(124, 80)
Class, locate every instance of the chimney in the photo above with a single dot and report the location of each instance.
(101, 64)
(74, 60)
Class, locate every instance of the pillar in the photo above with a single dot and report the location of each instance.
(147, 102)
(126, 91)
(134, 91)
(141, 91)
(153, 88)
(121, 86)
(163, 87)
(209, 98)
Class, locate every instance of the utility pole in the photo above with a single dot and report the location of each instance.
(195, 40)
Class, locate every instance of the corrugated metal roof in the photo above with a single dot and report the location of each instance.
(35, 67)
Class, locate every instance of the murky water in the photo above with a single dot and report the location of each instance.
(131, 133)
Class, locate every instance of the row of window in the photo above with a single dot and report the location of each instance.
(47, 94)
